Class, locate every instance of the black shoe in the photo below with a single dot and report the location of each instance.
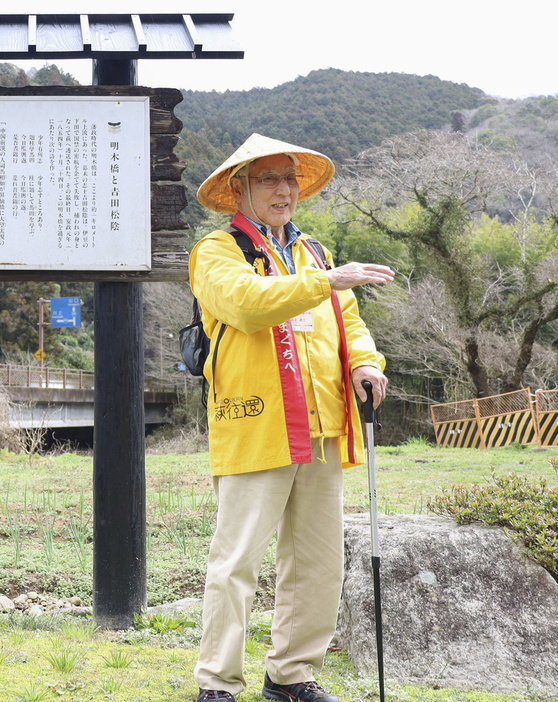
(305, 692)
(215, 696)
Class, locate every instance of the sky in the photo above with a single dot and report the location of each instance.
(506, 49)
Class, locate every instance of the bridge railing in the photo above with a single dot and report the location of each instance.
(34, 377)
(12, 375)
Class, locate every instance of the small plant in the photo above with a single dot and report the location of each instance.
(419, 442)
(32, 694)
(64, 661)
(418, 507)
(68, 686)
(79, 631)
(169, 499)
(47, 534)
(17, 636)
(56, 641)
(251, 645)
(387, 508)
(261, 632)
(17, 534)
(173, 658)
(79, 534)
(117, 659)
(4, 501)
(149, 538)
(178, 533)
(161, 622)
(30, 622)
(109, 686)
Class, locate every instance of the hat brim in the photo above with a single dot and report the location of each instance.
(216, 194)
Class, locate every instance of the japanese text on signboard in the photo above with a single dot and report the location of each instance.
(72, 177)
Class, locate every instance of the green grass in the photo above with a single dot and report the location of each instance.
(408, 475)
(158, 669)
(48, 658)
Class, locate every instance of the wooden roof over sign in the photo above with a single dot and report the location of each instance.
(118, 36)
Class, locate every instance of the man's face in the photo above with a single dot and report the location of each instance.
(273, 205)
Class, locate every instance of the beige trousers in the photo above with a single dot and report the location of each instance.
(304, 504)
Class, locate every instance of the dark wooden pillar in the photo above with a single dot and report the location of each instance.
(119, 558)
(115, 72)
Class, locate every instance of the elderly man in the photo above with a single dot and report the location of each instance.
(286, 340)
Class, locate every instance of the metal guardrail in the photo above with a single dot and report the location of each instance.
(12, 375)
(35, 377)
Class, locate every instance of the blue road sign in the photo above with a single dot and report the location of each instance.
(65, 312)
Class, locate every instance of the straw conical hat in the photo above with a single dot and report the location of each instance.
(317, 169)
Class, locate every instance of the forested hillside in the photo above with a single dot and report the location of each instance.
(529, 127)
(337, 112)
(13, 77)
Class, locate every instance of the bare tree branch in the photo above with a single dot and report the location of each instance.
(452, 180)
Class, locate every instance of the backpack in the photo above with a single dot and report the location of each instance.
(194, 342)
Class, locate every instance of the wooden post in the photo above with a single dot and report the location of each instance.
(41, 331)
(534, 409)
(119, 558)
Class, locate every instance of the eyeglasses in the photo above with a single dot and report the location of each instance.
(272, 180)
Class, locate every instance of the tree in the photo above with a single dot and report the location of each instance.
(50, 74)
(11, 76)
(19, 317)
(451, 181)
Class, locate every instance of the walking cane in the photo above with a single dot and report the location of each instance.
(369, 420)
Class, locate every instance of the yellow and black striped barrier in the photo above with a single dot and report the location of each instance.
(456, 425)
(548, 429)
(459, 434)
(500, 420)
(547, 416)
(507, 429)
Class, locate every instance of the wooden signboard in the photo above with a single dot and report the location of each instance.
(113, 211)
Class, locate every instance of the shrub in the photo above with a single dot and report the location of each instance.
(526, 508)
(10, 438)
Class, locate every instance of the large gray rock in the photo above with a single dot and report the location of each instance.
(6, 605)
(462, 606)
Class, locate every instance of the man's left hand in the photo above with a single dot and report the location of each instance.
(377, 379)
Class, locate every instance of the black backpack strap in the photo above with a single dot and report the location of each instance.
(251, 253)
(214, 360)
(248, 248)
(319, 249)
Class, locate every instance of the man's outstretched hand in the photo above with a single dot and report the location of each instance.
(353, 274)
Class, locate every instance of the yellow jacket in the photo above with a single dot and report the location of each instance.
(246, 413)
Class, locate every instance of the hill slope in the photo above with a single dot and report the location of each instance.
(337, 112)
(528, 127)
(334, 111)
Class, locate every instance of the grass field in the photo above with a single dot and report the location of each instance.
(46, 546)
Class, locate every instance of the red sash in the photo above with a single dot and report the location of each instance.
(344, 357)
(292, 387)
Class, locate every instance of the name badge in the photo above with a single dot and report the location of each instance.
(303, 322)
